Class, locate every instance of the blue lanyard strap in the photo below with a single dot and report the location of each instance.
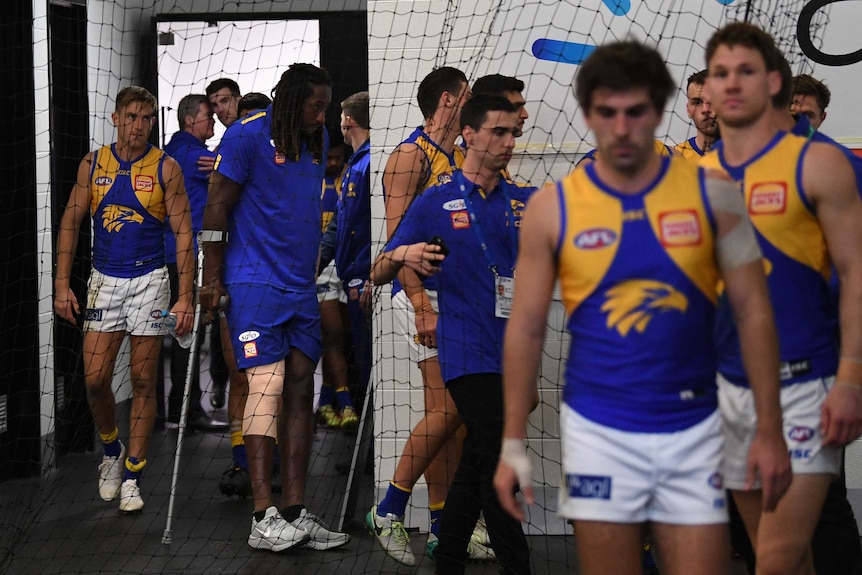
(477, 229)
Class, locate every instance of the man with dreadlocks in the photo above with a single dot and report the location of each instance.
(267, 180)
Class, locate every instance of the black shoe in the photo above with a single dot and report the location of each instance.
(235, 481)
(203, 422)
(217, 398)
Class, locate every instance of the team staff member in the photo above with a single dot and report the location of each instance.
(129, 188)
(638, 241)
(804, 206)
(188, 147)
(269, 171)
(477, 216)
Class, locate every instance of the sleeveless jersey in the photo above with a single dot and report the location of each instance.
(329, 198)
(796, 261)
(638, 275)
(127, 203)
(689, 149)
(440, 167)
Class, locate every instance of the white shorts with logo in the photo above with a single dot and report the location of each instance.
(627, 477)
(329, 286)
(133, 305)
(405, 323)
(800, 407)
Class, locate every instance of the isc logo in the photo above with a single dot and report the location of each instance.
(595, 238)
(589, 486)
(799, 453)
(800, 433)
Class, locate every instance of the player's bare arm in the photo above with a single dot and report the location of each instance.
(745, 283)
(180, 219)
(221, 198)
(422, 257)
(830, 184)
(405, 170)
(78, 206)
(535, 274)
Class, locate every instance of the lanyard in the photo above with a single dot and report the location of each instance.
(474, 223)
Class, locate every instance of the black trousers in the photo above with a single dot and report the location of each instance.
(479, 399)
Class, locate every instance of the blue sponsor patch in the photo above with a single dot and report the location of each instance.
(719, 503)
(92, 315)
(589, 486)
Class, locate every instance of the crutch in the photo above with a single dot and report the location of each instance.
(167, 538)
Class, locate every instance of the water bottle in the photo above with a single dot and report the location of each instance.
(171, 322)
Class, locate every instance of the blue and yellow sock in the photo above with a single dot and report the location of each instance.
(327, 394)
(134, 467)
(395, 501)
(237, 447)
(111, 444)
(342, 395)
(436, 510)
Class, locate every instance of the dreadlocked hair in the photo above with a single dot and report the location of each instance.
(289, 95)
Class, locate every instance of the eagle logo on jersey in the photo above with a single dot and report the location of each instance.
(633, 303)
(114, 217)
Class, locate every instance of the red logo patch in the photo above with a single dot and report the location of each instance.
(143, 183)
(768, 198)
(460, 220)
(679, 228)
(250, 349)
(279, 158)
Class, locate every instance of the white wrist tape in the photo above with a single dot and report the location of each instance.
(514, 454)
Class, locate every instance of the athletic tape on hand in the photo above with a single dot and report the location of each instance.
(514, 454)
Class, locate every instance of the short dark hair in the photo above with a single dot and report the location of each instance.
(475, 111)
(622, 66)
(443, 79)
(698, 78)
(217, 85)
(497, 84)
(131, 94)
(808, 85)
(754, 38)
(189, 106)
(252, 101)
(356, 106)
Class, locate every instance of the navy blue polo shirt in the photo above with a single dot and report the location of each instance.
(469, 335)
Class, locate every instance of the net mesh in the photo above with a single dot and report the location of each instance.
(51, 519)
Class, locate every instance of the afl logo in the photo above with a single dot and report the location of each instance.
(248, 336)
(104, 181)
(800, 433)
(444, 178)
(715, 481)
(595, 238)
(156, 314)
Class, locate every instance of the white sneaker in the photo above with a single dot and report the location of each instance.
(320, 537)
(274, 533)
(130, 496)
(111, 475)
(479, 548)
(390, 533)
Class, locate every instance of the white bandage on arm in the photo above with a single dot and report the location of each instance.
(738, 246)
(514, 454)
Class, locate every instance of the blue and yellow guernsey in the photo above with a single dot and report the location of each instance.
(796, 261)
(440, 166)
(127, 202)
(638, 275)
(689, 149)
(329, 195)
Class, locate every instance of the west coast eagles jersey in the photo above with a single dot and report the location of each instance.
(638, 275)
(795, 258)
(127, 202)
(439, 169)
(689, 149)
